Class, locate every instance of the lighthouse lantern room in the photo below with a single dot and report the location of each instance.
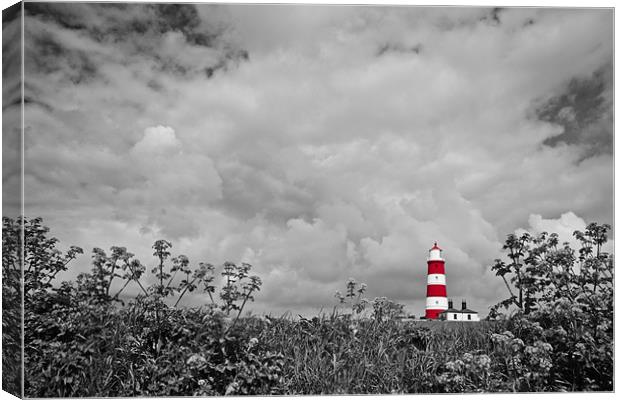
(436, 295)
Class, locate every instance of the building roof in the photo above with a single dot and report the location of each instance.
(454, 310)
(435, 247)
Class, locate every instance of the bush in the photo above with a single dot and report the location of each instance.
(11, 307)
(564, 309)
(81, 340)
(553, 333)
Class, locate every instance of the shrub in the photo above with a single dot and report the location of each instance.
(81, 340)
(564, 308)
(11, 306)
(553, 333)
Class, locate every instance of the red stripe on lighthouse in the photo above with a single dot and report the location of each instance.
(436, 267)
(433, 314)
(436, 291)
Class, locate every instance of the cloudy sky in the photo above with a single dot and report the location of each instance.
(318, 143)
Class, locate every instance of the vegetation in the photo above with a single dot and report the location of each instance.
(553, 333)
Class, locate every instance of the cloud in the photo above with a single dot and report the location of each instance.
(11, 110)
(278, 135)
(584, 111)
(564, 226)
(157, 141)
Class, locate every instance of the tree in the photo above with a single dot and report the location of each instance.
(564, 298)
(79, 342)
(38, 262)
(12, 317)
(517, 248)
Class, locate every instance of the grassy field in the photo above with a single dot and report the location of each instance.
(146, 349)
(80, 340)
(324, 355)
(338, 354)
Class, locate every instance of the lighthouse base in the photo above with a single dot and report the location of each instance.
(433, 314)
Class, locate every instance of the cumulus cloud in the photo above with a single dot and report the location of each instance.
(157, 141)
(11, 110)
(318, 143)
(565, 226)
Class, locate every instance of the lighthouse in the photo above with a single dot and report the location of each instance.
(436, 295)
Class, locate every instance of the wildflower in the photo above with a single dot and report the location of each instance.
(232, 388)
(483, 361)
(339, 296)
(517, 344)
(560, 331)
(131, 340)
(545, 346)
(443, 378)
(359, 307)
(496, 337)
(227, 321)
(545, 364)
(201, 382)
(351, 287)
(195, 360)
(508, 334)
(467, 357)
(252, 343)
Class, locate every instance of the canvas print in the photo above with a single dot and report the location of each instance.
(297, 199)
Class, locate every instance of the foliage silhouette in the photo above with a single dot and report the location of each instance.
(553, 333)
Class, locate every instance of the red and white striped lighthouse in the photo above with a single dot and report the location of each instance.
(436, 295)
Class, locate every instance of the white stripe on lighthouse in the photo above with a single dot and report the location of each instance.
(437, 303)
(436, 279)
(435, 255)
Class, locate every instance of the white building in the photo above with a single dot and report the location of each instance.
(462, 315)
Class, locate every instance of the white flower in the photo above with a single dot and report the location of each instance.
(232, 388)
(253, 342)
(201, 382)
(196, 359)
(484, 361)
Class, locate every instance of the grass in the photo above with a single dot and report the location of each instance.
(78, 342)
(337, 354)
(327, 354)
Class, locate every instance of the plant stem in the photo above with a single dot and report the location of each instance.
(240, 309)
(133, 277)
(123, 288)
(184, 290)
(107, 290)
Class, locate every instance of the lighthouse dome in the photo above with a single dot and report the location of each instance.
(435, 253)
